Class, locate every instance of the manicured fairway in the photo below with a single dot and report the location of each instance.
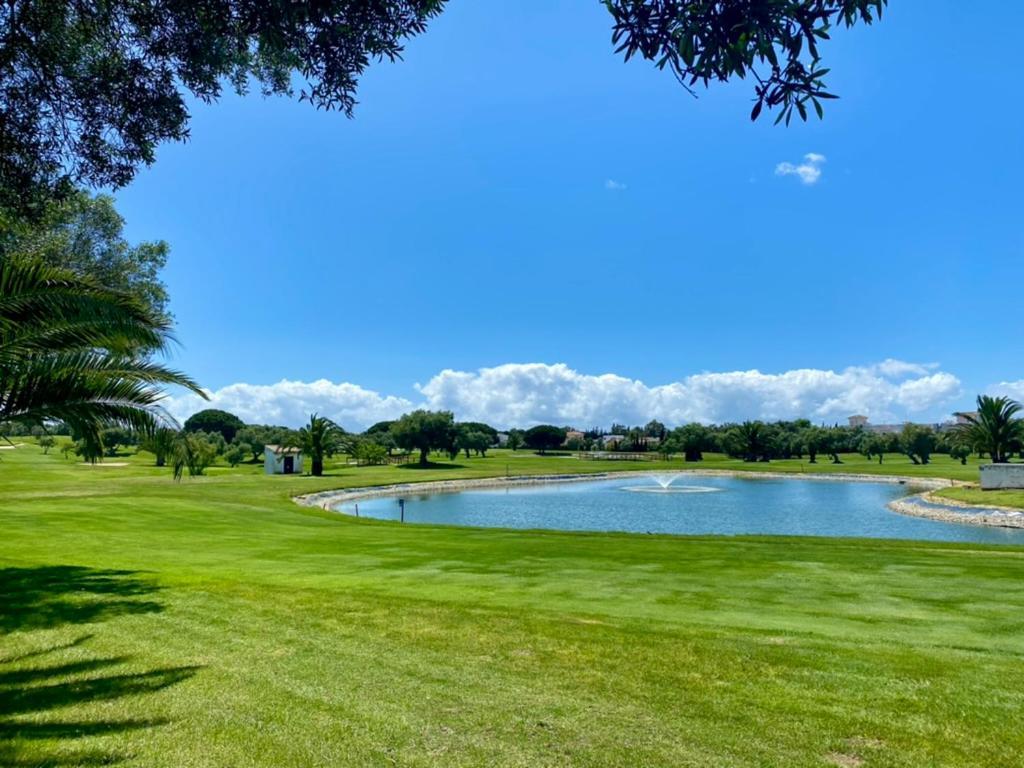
(216, 623)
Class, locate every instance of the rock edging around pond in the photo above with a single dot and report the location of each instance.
(951, 511)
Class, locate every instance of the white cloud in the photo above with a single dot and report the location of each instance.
(614, 186)
(1011, 389)
(925, 393)
(897, 368)
(521, 394)
(809, 170)
(290, 403)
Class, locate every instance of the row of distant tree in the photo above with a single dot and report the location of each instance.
(994, 430)
(421, 432)
(799, 439)
(763, 441)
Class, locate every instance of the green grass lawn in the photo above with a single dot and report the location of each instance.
(216, 623)
(978, 496)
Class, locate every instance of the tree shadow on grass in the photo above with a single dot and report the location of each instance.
(431, 465)
(35, 689)
(51, 596)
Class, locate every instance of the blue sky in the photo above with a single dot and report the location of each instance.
(512, 193)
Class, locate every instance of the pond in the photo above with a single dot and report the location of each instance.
(689, 505)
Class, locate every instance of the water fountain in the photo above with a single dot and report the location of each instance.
(664, 485)
(664, 480)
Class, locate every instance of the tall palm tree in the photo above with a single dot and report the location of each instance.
(74, 351)
(994, 429)
(319, 438)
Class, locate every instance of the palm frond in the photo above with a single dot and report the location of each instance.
(993, 429)
(42, 308)
(74, 351)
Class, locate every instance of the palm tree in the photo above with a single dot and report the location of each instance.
(74, 351)
(319, 438)
(753, 438)
(994, 428)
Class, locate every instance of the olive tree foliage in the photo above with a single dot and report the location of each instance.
(89, 89)
(235, 454)
(774, 42)
(481, 428)
(691, 439)
(114, 437)
(424, 431)
(471, 439)
(88, 450)
(253, 438)
(160, 442)
(544, 437)
(216, 439)
(873, 446)
(812, 440)
(960, 451)
(85, 235)
(515, 439)
(833, 444)
(917, 442)
(368, 452)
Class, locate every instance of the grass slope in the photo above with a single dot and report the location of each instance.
(215, 623)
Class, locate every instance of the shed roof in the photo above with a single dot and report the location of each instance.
(282, 450)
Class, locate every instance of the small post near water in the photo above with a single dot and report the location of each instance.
(357, 509)
(401, 510)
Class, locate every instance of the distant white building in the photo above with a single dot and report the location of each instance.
(611, 440)
(502, 439)
(858, 421)
(278, 460)
(884, 429)
(966, 417)
(573, 434)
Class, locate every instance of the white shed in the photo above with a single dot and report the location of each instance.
(996, 476)
(279, 460)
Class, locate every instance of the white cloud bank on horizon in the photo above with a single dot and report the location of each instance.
(289, 403)
(809, 171)
(522, 394)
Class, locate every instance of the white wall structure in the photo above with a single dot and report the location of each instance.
(995, 476)
(278, 460)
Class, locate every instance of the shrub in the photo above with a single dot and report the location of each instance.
(192, 452)
(368, 452)
(235, 454)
